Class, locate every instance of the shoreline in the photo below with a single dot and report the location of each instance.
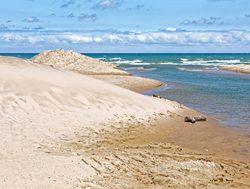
(147, 155)
(212, 126)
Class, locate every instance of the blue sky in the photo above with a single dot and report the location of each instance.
(125, 25)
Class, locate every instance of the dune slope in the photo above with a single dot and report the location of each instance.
(40, 105)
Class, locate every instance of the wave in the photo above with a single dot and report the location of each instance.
(134, 68)
(101, 58)
(139, 64)
(115, 59)
(182, 62)
(131, 62)
(207, 69)
(189, 63)
(226, 61)
(140, 68)
(190, 70)
(168, 63)
(208, 62)
(212, 68)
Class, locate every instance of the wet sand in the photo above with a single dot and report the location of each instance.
(167, 154)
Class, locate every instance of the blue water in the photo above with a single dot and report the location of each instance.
(194, 80)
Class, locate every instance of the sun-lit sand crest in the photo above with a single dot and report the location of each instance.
(61, 129)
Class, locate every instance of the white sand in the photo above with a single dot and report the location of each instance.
(40, 105)
(133, 83)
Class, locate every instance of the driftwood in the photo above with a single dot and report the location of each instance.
(156, 96)
(194, 119)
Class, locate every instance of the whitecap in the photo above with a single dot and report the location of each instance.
(168, 63)
(101, 59)
(190, 70)
(182, 69)
(226, 61)
(202, 62)
(134, 68)
(115, 59)
(128, 61)
(140, 68)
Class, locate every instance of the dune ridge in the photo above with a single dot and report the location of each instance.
(74, 61)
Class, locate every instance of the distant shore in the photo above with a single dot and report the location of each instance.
(241, 68)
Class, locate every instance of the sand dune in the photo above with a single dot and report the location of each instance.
(242, 68)
(105, 71)
(64, 130)
(70, 60)
(39, 105)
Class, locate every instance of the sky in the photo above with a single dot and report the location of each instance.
(128, 26)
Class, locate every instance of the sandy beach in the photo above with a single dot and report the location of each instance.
(65, 128)
(105, 71)
(137, 84)
(241, 68)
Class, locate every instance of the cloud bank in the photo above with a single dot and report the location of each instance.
(168, 37)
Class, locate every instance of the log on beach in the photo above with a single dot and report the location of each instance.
(194, 119)
(156, 96)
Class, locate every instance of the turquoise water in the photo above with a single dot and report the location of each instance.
(194, 80)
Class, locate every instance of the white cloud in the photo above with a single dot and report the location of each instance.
(31, 19)
(67, 3)
(168, 37)
(108, 4)
(204, 21)
(87, 17)
(171, 29)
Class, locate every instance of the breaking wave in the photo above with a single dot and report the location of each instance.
(201, 62)
(191, 70)
(130, 62)
(101, 59)
(139, 68)
(182, 62)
